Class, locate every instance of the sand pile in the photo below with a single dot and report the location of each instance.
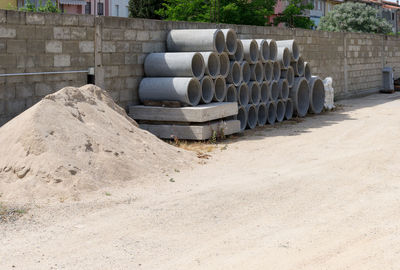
(76, 140)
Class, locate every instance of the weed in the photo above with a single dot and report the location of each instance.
(224, 147)
(108, 194)
(176, 170)
(172, 180)
(11, 213)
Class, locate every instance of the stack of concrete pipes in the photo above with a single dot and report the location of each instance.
(268, 79)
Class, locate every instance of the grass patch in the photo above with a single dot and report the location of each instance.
(11, 213)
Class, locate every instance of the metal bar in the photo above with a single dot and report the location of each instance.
(44, 73)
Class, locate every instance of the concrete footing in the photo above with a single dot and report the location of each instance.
(252, 118)
(250, 49)
(288, 109)
(261, 114)
(299, 94)
(292, 47)
(224, 64)
(235, 74)
(271, 116)
(243, 94)
(280, 110)
(257, 72)
(283, 86)
(274, 88)
(317, 95)
(195, 40)
(220, 89)
(254, 92)
(207, 89)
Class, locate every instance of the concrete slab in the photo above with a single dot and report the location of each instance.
(198, 114)
(193, 132)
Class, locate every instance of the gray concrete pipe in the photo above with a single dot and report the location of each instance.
(224, 64)
(292, 46)
(242, 93)
(273, 49)
(207, 89)
(280, 110)
(283, 86)
(271, 113)
(277, 71)
(250, 49)
(254, 92)
(298, 67)
(257, 72)
(300, 96)
(264, 86)
(196, 40)
(263, 49)
(251, 116)
(246, 72)
(317, 95)
(185, 90)
(274, 90)
(242, 117)
(174, 65)
(212, 63)
(307, 71)
(261, 114)
(231, 95)
(239, 54)
(220, 89)
(235, 74)
(283, 57)
(288, 74)
(268, 71)
(230, 41)
(288, 109)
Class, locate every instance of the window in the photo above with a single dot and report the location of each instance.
(100, 9)
(117, 10)
(392, 16)
(88, 8)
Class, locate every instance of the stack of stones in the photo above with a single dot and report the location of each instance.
(268, 79)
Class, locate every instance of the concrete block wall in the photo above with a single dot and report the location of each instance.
(117, 47)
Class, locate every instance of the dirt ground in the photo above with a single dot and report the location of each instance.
(323, 193)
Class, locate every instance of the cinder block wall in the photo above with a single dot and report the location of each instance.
(117, 47)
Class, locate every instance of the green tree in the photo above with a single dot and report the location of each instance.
(293, 15)
(49, 7)
(354, 17)
(254, 12)
(144, 8)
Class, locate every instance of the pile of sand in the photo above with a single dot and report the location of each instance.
(76, 140)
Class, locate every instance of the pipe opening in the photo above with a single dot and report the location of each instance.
(295, 50)
(219, 41)
(288, 109)
(262, 114)
(290, 76)
(277, 71)
(271, 113)
(258, 72)
(255, 93)
(194, 92)
(307, 71)
(236, 74)
(284, 89)
(220, 89)
(224, 64)
(286, 58)
(274, 91)
(231, 94)
(230, 41)
(251, 116)
(280, 111)
(264, 92)
(243, 94)
(264, 51)
(207, 89)
(239, 54)
(300, 66)
(241, 116)
(246, 72)
(254, 51)
(303, 100)
(213, 65)
(198, 66)
(268, 71)
(318, 96)
(273, 50)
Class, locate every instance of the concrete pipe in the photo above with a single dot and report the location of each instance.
(292, 46)
(280, 110)
(252, 118)
(231, 95)
(298, 67)
(220, 89)
(212, 63)
(224, 64)
(283, 57)
(273, 49)
(268, 71)
(257, 72)
(242, 93)
(250, 49)
(254, 92)
(283, 86)
(277, 71)
(242, 117)
(246, 72)
(288, 109)
(239, 54)
(307, 71)
(174, 65)
(274, 88)
(264, 86)
(235, 74)
(317, 95)
(207, 89)
(263, 50)
(288, 74)
(185, 90)
(271, 113)
(230, 41)
(261, 114)
(300, 96)
(196, 40)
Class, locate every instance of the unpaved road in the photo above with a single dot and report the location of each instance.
(320, 194)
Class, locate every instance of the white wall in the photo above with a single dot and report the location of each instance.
(119, 8)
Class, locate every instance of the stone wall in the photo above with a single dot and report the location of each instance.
(117, 47)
